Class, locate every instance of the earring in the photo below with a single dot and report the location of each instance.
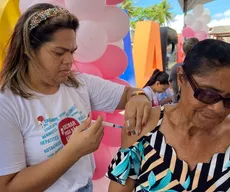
(178, 94)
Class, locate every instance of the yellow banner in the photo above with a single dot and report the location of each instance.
(9, 14)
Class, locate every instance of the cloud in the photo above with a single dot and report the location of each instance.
(177, 23)
(227, 13)
(219, 19)
(221, 15)
(218, 15)
(219, 22)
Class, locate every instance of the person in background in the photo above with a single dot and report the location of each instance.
(186, 146)
(46, 135)
(158, 83)
(188, 44)
(165, 97)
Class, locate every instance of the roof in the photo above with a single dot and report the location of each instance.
(219, 29)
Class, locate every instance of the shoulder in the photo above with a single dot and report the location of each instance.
(128, 141)
(147, 88)
(6, 97)
(9, 109)
(84, 77)
(92, 80)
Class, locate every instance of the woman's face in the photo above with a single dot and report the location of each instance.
(160, 88)
(200, 114)
(56, 56)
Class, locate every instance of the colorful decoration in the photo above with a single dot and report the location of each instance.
(147, 54)
(197, 23)
(9, 14)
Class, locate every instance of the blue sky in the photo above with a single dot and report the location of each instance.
(219, 11)
(216, 6)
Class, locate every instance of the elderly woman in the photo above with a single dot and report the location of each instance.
(44, 141)
(184, 147)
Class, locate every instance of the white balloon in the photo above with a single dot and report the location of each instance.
(189, 19)
(86, 9)
(206, 11)
(198, 10)
(205, 19)
(25, 4)
(92, 42)
(119, 43)
(205, 28)
(115, 21)
(197, 26)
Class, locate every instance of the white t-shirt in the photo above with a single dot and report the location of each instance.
(32, 130)
(164, 95)
(151, 95)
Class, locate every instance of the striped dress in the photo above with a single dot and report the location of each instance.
(154, 166)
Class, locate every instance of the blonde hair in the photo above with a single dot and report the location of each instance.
(23, 44)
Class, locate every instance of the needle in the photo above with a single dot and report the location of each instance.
(110, 124)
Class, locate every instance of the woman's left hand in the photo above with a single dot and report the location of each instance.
(137, 112)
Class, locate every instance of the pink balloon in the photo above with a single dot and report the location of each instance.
(188, 32)
(102, 160)
(116, 117)
(113, 2)
(88, 68)
(120, 81)
(95, 115)
(201, 35)
(61, 1)
(115, 22)
(113, 150)
(112, 136)
(86, 9)
(101, 185)
(113, 63)
(25, 4)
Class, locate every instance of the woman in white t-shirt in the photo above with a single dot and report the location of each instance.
(158, 83)
(46, 135)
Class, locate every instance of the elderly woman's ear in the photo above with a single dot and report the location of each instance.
(180, 76)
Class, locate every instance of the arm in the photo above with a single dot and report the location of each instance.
(39, 177)
(129, 184)
(107, 96)
(166, 100)
(116, 187)
(126, 96)
(127, 141)
(16, 177)
(137, 109)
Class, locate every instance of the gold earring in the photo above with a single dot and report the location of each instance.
(178, 94)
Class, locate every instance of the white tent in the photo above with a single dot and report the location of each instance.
(187, 5)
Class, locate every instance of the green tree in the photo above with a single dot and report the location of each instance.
(165, 13)
(160, 13)
(128, 5)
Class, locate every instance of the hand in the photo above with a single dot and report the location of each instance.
(137, 112)
(86, 137)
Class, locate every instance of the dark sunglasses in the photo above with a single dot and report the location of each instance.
(206, 96)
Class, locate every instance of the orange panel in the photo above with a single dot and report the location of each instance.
(146, 51)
